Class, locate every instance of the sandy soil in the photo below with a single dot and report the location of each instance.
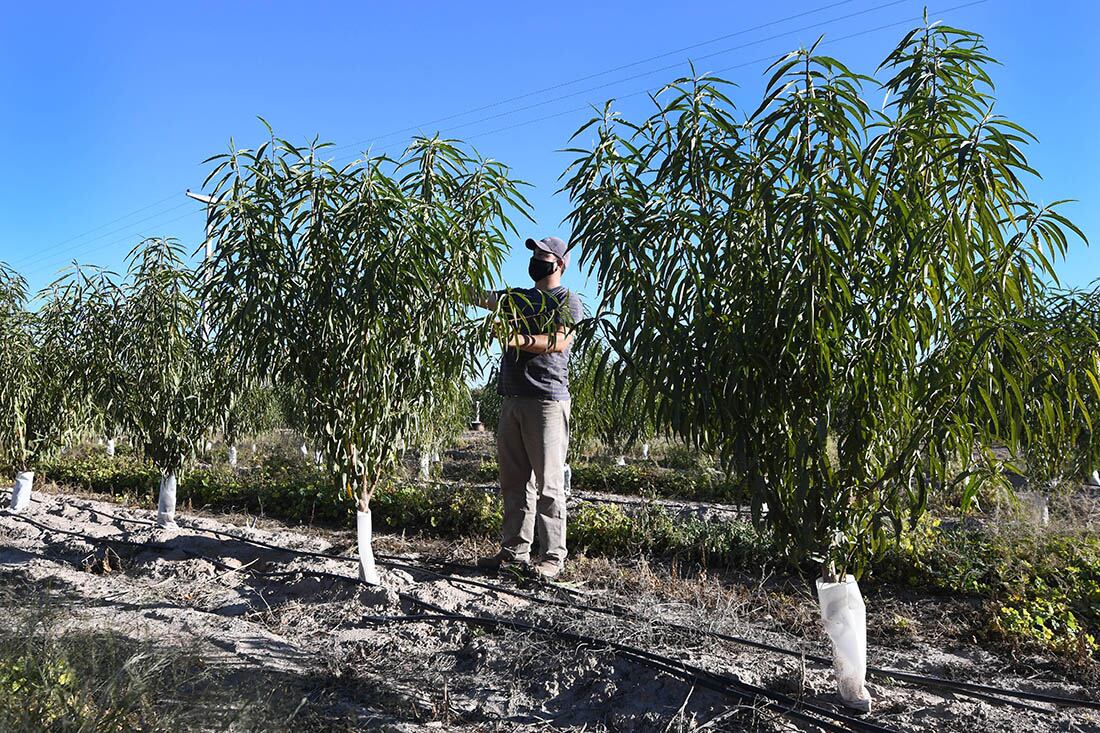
(321, 638)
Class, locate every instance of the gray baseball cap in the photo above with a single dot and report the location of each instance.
(553, 245)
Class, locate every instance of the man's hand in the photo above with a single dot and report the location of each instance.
(541, 343)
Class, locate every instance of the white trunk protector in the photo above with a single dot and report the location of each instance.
(166, 503)
(367, 572)
(111, 447)
(1094, 479)
(1038, 507)
(620, 461)
(425, 467)
(21, 492)
(645, 451)
(233, 456)
(845, 620)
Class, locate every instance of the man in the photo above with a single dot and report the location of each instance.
(533, 431)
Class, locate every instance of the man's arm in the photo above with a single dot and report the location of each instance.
(542, 343)
(488, 300)
(554, 343)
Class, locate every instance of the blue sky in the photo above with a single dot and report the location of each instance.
(109, 108)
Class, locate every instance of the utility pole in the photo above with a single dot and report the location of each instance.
(209, 201)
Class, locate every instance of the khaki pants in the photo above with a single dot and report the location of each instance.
(532, 440)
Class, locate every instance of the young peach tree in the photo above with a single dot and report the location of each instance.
(812, 291)
(609, 407)
(41, 405)
(351, 283)
(1057, 402)
(150, 367)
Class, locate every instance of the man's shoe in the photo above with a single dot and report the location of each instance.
(547, 569)
(500, 561)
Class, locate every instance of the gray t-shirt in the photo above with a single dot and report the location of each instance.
(542, 376)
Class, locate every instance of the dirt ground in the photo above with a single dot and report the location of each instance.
(321, 643)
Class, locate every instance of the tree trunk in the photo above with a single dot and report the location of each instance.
(368, 573)
(21, 491)
(845, 619)
(166, 502)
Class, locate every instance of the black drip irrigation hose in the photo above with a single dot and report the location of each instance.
(974, 689)
(728, 685)
(733, 687)
(967, 688)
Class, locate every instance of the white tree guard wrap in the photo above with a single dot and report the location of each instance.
(1040, 508)
(111, 447)
(425, 466)
(645, 451)
(620, 461)
(253, 449)
(1044, 511)
(1094, 479)
(367, 572)
(166, 501)
(305, 450)
(233, 456)
(21, 492)
(845, 619)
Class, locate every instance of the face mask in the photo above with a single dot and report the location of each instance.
(538, 269)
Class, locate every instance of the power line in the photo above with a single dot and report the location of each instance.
(504, 101)
(594, 75)
(650, 72)
(48, 252)
(650, 90)
(113, 221)
(587, 106)
(136, 233)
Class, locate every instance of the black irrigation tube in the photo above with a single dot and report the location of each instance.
(729, 685)
(975, 690)
(987, 692)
